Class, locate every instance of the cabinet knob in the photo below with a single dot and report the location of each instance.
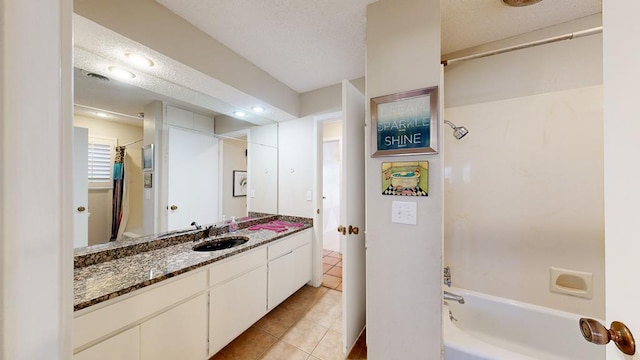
(353, 230)
(173, 207)
(342, 229)
(81, 208)
(619, 333)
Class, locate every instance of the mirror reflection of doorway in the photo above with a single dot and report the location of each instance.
(331, 178)
(331, 194)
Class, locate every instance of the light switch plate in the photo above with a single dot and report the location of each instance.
(403, 212)
(309, 195)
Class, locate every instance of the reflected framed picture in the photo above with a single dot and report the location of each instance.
(239, 183)
(147, 158)
(405, 123)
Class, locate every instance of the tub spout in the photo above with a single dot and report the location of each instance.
(453, 297)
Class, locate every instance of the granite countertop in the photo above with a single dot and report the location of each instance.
(99, 280)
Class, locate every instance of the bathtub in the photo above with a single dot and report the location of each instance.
(489, 327)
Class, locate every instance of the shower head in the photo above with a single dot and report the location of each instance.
(458, 131)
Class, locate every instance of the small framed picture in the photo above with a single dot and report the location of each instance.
(405, 178)
(148, 180)
(147, 158)
(239, 183)
(405, 123)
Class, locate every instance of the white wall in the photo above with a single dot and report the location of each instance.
(404, 264)
(36, 193)
(524, 190)
(233, 158)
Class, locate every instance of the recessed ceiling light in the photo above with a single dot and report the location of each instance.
(121, 73)
(258, 109)
(102, 115)
(138, 59)
(240, 113)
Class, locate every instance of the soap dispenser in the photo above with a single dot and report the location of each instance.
(233, 225)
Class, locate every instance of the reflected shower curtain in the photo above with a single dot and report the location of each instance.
(119, 192)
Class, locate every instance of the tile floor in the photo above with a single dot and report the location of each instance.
(332, 270)
(306, 326)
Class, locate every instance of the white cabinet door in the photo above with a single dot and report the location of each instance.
(192, 178)
(124, 346)
(235, 305)
(302, 266)
(281, 279)
(180, 333)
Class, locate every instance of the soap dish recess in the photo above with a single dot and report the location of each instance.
(571, 282)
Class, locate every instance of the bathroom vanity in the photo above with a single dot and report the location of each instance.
(175, 303)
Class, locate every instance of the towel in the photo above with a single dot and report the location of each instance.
(267, 227)
(287, 224)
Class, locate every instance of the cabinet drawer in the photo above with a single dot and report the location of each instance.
(236, 265)
(125, 345)
(93, 325)
(288, 244)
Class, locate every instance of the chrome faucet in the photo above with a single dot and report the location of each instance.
(198, 227)
(453, 297)
(447, 276)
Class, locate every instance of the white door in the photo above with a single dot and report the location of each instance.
(352, 215)
(80, 187)
(621, 146)
(192, 178)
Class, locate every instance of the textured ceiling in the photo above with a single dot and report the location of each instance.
(310, 44)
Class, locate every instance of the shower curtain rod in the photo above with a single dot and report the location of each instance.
(108, 111)
(131, 143)
(569, 36)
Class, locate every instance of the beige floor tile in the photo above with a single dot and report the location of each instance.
(330, 281)
(330, 347)
(326, 267)
(249, 345)
(284, 351)
(274, 325)
(323, 314)
(312, 358)
(330, 260)
(305, 335)
(337, 324)
(335, 271)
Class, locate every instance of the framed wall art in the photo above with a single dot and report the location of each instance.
(405, 178)
(405, 123)
(239, 183)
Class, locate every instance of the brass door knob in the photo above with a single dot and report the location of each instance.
(81, 208)
(173, 207)
(619, 333)
(342, 229)
(353, 230)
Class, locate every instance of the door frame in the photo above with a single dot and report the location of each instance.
(318, 215)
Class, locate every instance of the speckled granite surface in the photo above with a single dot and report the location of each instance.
(144, 263)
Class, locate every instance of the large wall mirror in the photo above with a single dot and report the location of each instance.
(120, 123)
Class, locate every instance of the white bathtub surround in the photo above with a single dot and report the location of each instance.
(492, 328)
(524, 193)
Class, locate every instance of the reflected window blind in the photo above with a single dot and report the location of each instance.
(99, 160)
